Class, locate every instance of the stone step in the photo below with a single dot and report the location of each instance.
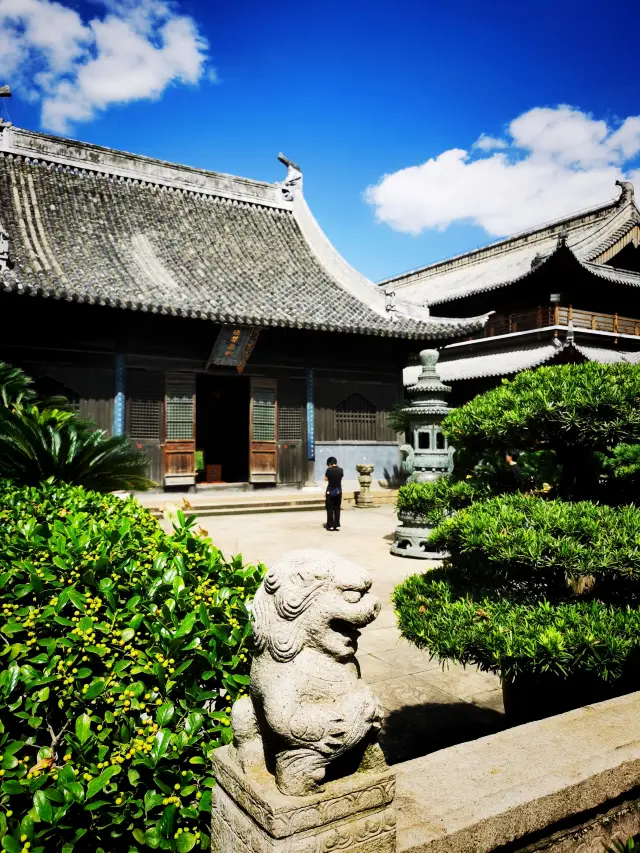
(244, 506)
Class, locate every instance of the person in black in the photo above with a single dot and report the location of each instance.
(514, 479)
(333, 477)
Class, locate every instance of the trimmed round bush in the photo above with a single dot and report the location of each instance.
(123, 649)
(531, 586)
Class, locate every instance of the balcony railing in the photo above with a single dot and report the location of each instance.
(558, 315)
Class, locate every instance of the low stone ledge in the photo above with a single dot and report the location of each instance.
(518, 787)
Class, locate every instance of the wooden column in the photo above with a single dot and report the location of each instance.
(311, 428)
(119, 395)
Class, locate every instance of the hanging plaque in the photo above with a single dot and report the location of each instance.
(233, 347)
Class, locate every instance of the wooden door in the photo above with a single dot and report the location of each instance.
(291, 453)
(144, 416)
(263, 431)
(179, 450)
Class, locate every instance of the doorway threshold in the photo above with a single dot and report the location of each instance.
(223, 487)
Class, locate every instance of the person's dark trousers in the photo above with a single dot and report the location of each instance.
(333, 511)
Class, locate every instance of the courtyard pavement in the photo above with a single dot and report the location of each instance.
(427, 707)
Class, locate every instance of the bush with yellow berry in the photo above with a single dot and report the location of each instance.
(122, 649)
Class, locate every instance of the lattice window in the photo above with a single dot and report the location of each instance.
(144, 419)
(180, 406)
(356, 419)
(289, 423)
(264, 414)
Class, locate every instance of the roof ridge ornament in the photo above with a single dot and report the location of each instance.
(626, 192)
(293, 182)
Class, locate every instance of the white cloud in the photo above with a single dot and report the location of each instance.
(553, 161)
(134, 51)
(489, 143)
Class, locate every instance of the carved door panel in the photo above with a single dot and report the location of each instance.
(179, 450)
(263, 431)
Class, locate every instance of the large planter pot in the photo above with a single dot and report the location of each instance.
(411, 535)
(530, 697)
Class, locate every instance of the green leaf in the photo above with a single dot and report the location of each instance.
(9, 760)
(11, 845)
(186, 842)
(153, 837)
(186, 626)
(43, 807)
(160, 744)
(96, 785)
(95, 689)
(152, 800)
(164, 714)
(193, 723)
(133, 776)
(83, 728)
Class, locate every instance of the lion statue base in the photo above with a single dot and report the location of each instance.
(309, 716)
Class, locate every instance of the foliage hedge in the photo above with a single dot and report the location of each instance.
(433, 501)
(591, 406)
(123, 649)
(530, 585)
(571, 417)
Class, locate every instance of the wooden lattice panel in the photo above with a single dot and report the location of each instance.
(356, 419)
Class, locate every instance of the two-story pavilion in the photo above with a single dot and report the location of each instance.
(196, 311)
(568, 291)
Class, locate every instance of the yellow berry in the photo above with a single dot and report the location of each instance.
(23, 838)
(118, 800)
(176, 787)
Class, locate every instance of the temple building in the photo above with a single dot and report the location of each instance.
(566, 292)
(205, 316)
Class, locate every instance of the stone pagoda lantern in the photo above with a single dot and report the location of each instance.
(428, 456)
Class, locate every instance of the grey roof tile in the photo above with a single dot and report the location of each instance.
(588, 235)
(98, 226)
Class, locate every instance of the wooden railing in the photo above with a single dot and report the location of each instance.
(558, 315)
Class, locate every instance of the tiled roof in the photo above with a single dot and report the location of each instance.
(509, 362)
(587, 235)
(608, 356)
(93, 225)
(489, 364)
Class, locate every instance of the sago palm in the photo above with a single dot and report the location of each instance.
(39, 443)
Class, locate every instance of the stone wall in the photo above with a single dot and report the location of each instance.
(385, 455)
(568, 783)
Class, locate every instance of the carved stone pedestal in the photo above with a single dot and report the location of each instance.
(250, 815)
(364, 498)
(411, 537)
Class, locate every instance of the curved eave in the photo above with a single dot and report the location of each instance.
(430, 331)
(363, 289)
(502, 283)
(614, 274)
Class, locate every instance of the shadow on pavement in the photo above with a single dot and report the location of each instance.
(421, 729)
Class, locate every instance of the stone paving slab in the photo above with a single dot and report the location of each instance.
(427, 707)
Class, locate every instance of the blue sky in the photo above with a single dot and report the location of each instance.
(352, 91)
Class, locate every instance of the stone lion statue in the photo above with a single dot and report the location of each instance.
(308, 707)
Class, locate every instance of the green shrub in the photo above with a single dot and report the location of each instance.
(574, 412)
(530, 585)
(499, 636)
(433, 501)
(123, 650)
(525, 546)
